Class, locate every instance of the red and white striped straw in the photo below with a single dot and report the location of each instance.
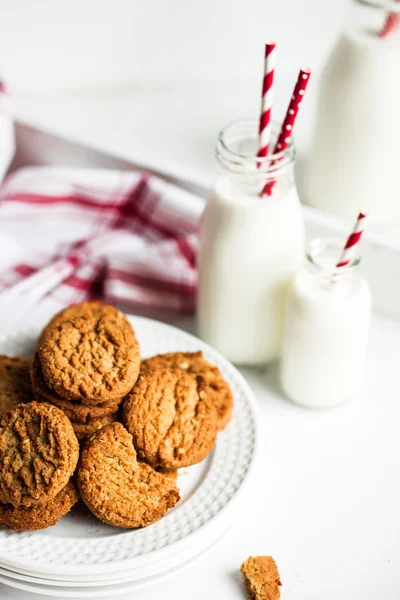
(290, 119)
(352, 241)
(291, 114)
(266, 99)
(391, 24)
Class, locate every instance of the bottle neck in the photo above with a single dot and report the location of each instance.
(322, 256)
(236, 152)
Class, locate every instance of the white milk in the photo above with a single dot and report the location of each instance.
(327, 319)
(355, 161)
(250, 248)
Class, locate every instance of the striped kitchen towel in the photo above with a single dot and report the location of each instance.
(126, 237)
(69, 234)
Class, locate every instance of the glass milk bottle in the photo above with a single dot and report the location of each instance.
(250, 248)
(327, 318)
(356, 145)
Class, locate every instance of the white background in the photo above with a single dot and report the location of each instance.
(155, 80)
(97, 43)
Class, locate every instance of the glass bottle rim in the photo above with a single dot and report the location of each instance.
(390, 6)
(335, 246)
(240, 162)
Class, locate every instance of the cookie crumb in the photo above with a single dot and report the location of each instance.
(261, 578)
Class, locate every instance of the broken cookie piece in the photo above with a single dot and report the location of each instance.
(261, 578)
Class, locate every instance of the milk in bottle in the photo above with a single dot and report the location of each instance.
(250, 248)
(327, 317)
(354, 162)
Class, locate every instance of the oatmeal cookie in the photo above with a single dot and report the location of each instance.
(194, 363)
(76, 412)
(261, 578)
(43, 516)
(38, 454)
(171, 418)
(117, 488)
(90, 310)
(96, 359)
(15, 385)
(84, 430)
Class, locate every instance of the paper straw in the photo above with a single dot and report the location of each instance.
(266, 99)
(352, 241)
(289, 121)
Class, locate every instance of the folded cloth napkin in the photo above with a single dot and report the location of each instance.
(126, 237)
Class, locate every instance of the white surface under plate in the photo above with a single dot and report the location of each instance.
(81, 546)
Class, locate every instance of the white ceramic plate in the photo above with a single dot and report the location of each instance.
(81, 592)
(99, 591)
(119, 586)
(153, 569)
(80, 546)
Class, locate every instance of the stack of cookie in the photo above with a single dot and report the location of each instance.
(87, 360)
(38, 456)
(127, 475)
(86, 365)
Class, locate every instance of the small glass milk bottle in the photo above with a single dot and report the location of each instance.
(356, 143)
(327, 316)
(250, 248)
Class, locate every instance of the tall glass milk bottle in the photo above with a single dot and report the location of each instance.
(327, 317)
(354, 162)
(250, 248)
